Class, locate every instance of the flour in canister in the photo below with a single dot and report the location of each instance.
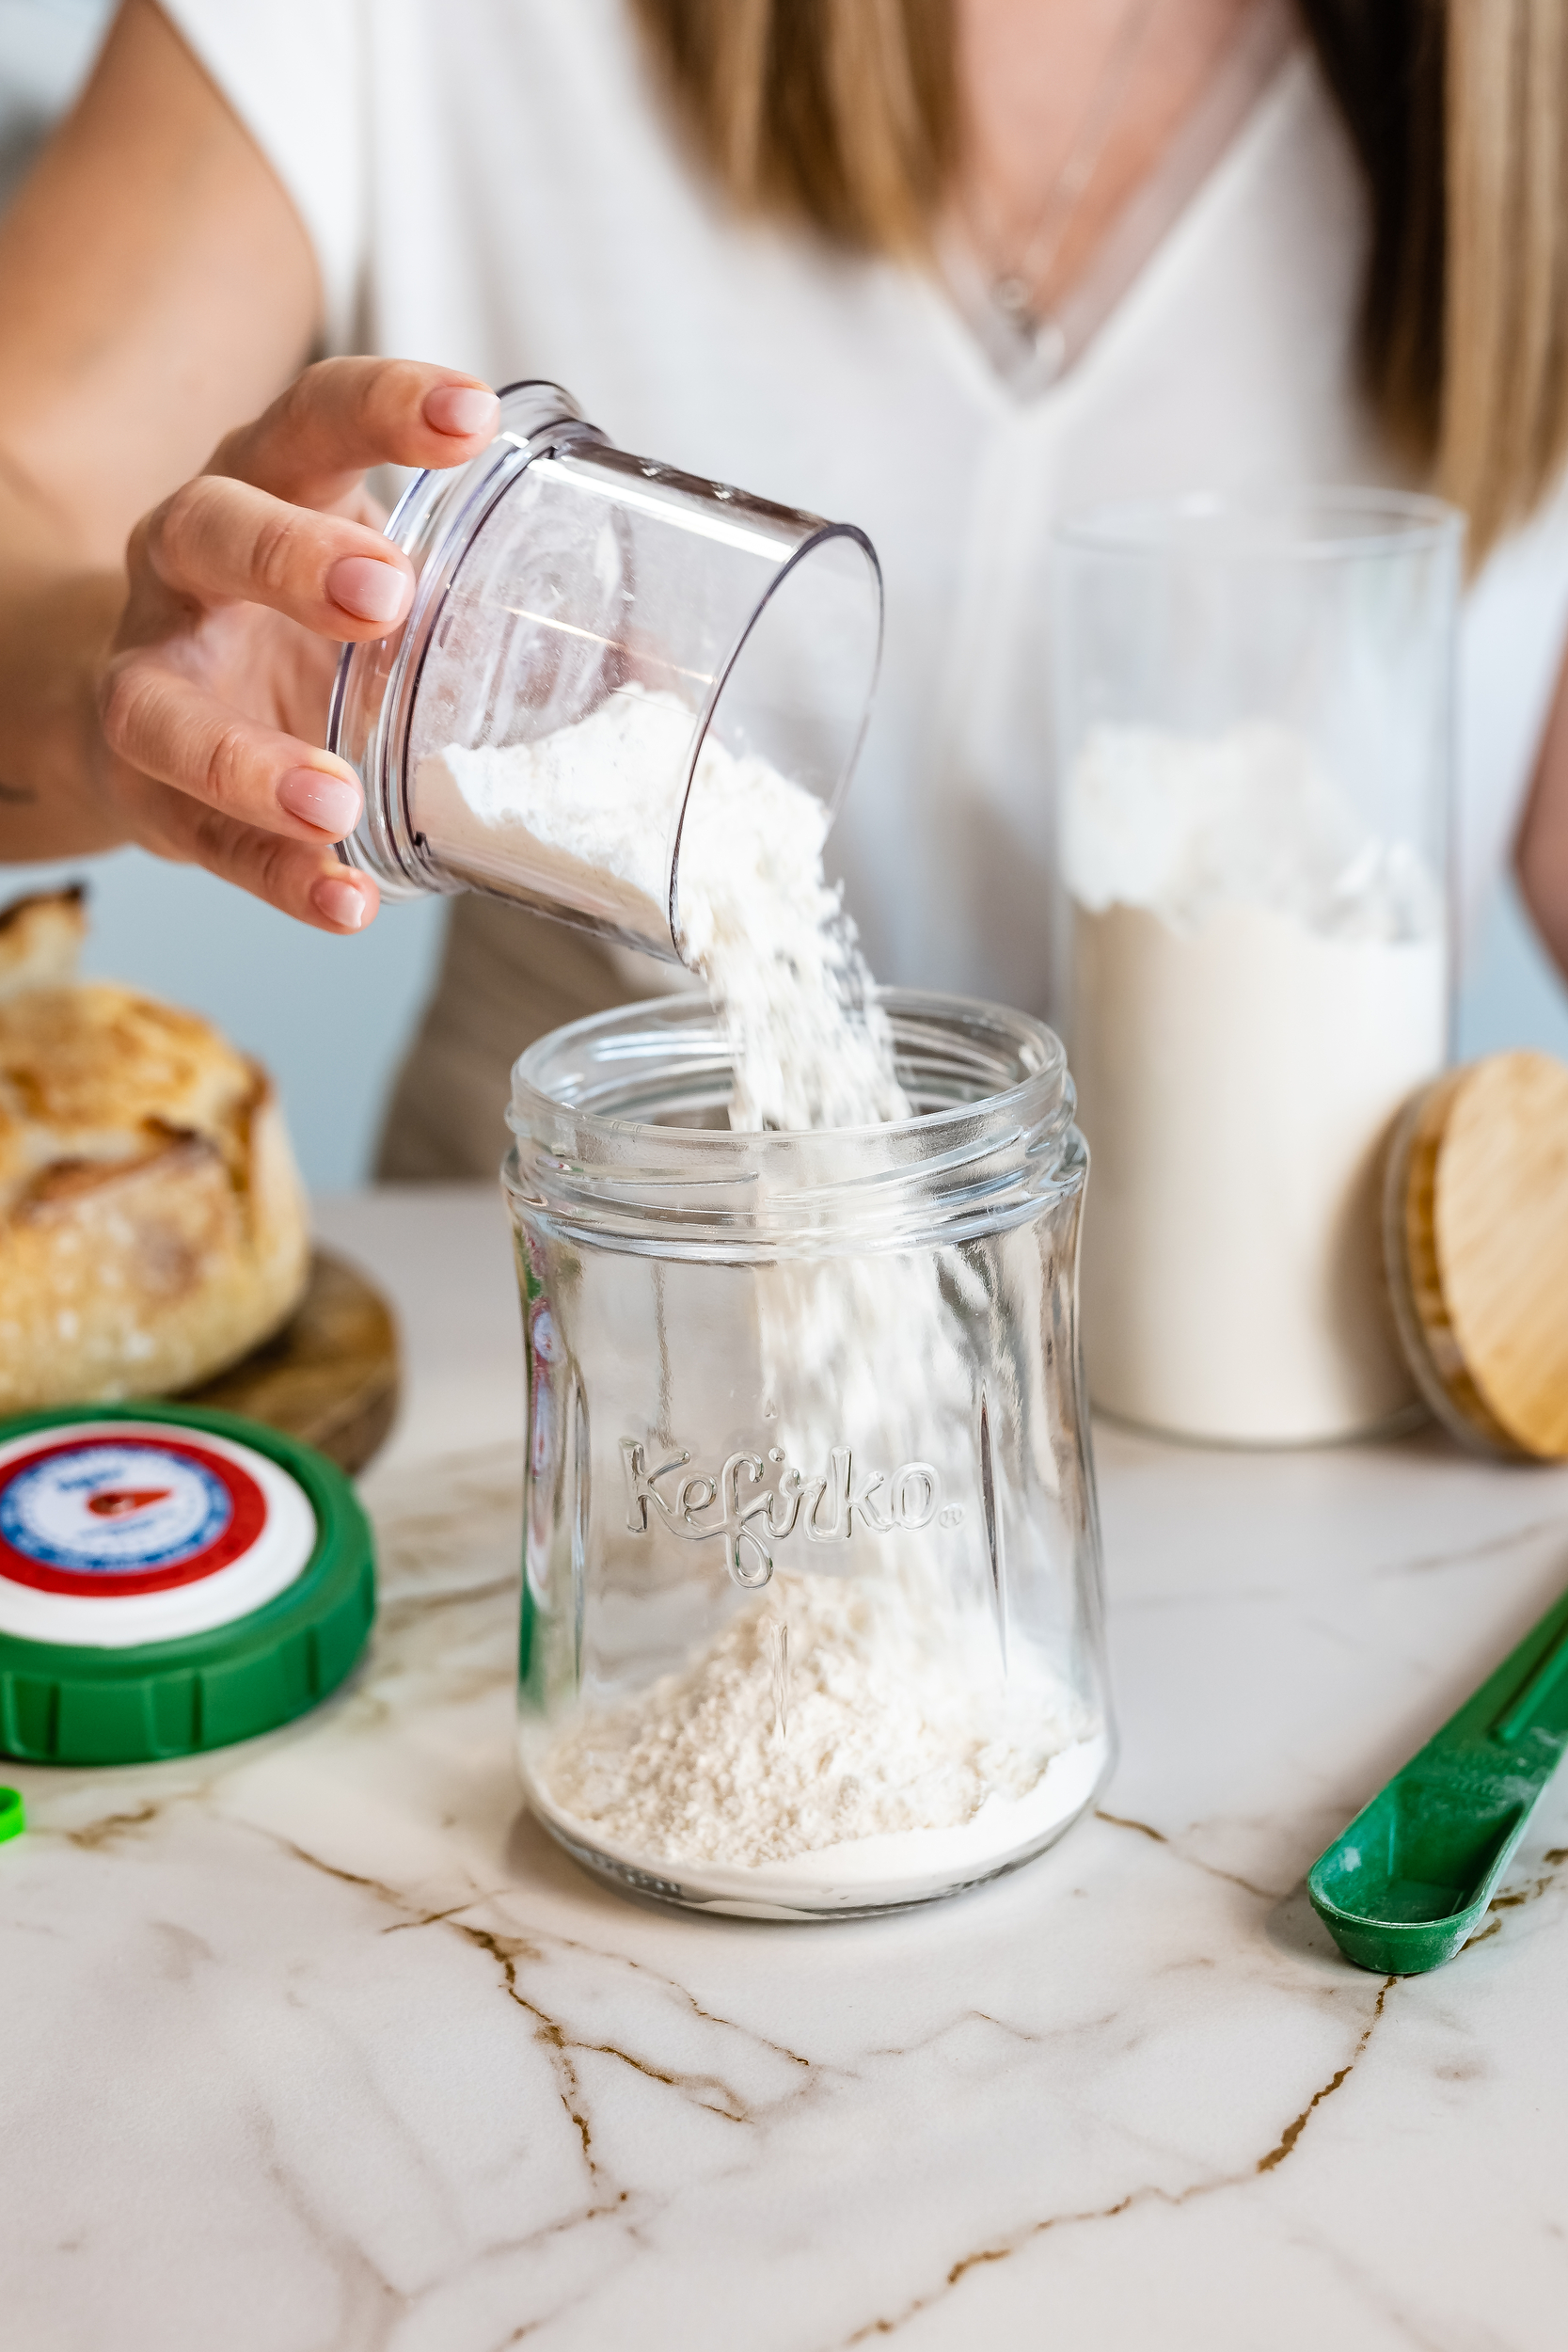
(1258, 983)
(864, 1727)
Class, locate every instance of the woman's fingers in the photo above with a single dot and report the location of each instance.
(311, 887)
(217, 542)
(341, 415)
(163, 726)
(308, 881)
(200, 780)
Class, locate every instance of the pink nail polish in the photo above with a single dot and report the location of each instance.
(341, 902)
(463, 408)
(318, 799)
(368, 589)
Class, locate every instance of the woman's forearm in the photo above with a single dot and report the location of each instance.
(174, 582)
(155, 286)
(57, 618)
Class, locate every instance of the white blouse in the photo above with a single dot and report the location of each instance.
(493, 185)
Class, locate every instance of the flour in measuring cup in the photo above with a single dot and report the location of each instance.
(593, 808)
(586, 809)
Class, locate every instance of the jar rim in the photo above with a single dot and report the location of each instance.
(690, 1009)
(985, 1155)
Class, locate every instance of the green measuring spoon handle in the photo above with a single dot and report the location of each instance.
(1523, 1714)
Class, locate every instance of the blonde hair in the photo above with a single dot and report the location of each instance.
(1503, 425)
(843, 117)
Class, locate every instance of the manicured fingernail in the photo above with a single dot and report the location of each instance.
(330, 801)
(368, 589)
(463, 408)
(341, 902)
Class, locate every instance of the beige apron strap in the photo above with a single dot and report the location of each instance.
(505, 978)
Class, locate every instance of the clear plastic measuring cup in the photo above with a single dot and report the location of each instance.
(554, 572)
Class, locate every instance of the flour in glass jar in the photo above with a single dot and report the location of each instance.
(865, 1730)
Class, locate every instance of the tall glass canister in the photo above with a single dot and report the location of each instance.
(811, 1617)
(1254, 724)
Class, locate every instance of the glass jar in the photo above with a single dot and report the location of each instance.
(1255, 741)
(810, 1610)
(560, 579)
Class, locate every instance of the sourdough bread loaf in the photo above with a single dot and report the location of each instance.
(152, 1225)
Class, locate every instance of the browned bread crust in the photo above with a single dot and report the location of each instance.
(40, 937)
(152, 1225)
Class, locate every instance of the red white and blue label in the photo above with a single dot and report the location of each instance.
(116, 1534)
(91, 1515)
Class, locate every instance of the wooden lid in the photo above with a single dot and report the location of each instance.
(1476, 1229)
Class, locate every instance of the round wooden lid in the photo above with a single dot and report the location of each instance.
(1476, 1234)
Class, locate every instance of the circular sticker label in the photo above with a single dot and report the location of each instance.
(104, 1516)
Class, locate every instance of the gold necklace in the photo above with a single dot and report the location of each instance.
(1012, 290)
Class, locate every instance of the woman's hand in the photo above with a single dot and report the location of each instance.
(243, 585)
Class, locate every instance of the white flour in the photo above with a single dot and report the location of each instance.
(593, 808)
(587, 810)
(1257, 985)
(830, 1714)
(875, 1729)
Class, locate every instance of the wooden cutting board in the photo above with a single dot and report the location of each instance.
(1477, 1248)
(330, 1375)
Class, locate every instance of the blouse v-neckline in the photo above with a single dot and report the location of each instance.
(1026, 373)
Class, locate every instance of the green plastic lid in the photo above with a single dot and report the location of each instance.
(170, 1580)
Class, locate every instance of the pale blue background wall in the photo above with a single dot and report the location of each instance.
(1511, 994)
(330, 1017)
(45, 49)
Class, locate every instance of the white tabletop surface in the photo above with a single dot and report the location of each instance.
(319, 2046)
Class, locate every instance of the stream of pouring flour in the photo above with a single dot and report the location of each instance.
(857, 1735)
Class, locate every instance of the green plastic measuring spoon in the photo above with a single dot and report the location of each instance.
(13, 1813)
(1408, 1883)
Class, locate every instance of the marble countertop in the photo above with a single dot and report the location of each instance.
(319, 2046)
